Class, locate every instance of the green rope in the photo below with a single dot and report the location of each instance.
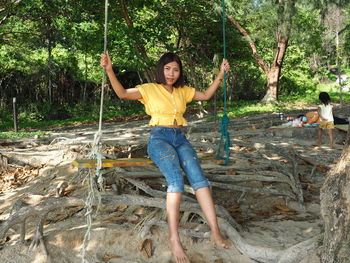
(225, 136)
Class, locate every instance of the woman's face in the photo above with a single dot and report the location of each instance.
(171, 73)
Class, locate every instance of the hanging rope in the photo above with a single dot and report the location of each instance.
(95, 153)
(225, 120)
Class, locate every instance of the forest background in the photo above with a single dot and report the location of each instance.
(280, 51)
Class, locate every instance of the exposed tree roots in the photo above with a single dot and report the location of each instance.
(109, 202)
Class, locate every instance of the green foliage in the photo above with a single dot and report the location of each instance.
(297, 77)
(307, 31)
(247, 82)
(16, 135)
(45, 112)
(5, 119)
(244, 108)
(47, 115)
(50, 51)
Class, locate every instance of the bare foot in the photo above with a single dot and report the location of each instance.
(178, 251)
(221, 242)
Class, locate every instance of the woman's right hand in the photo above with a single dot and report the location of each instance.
(225, 67)
(106, 62)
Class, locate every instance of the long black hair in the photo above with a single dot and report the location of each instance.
(324, 98)
(165, 59)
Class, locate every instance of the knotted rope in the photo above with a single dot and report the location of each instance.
(225, 120)
(96, 154)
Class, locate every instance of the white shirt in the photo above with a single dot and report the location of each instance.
(326, 112)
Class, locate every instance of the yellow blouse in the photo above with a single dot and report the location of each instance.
(165, 107)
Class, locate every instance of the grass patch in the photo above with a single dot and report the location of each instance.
(16, 135)
(80, 114)
(286, 103)
(83, 114)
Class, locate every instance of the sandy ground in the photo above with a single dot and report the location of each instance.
(117, 236)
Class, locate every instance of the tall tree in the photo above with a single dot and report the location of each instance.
(335, 22)
(285, 10)
(39, 37)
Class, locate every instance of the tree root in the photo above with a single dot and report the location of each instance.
(253, 190)
(227, 224)
(39, 210)
(38, 239)
(292, 254)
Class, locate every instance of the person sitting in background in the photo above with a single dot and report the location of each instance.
(296, 122)
(312, 118)
(307, 120)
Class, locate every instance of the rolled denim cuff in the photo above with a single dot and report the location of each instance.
(201, 184)
(175, 189)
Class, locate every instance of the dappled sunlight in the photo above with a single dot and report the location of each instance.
(7, 199)
(254, 189)
(127, 135)
(105, 242)
(274, 157)
(343, 163)
(40, 258)
(67, 239)
(284, 144)
(308, 230)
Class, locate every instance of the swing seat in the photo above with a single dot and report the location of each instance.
(108, 163)
(131, 162)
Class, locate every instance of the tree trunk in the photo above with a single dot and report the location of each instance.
(272, 85)
(49, 63)
(335, 210)
(286, 9)
(2, 95)
(49, 66)
(273, 74)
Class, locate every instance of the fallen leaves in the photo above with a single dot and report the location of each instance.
(322, 168)
(231, 172)
(277, 210)
(310, 187)
(233, 208)
(140, 211)
(146, 248)
(115, 219)
(67, 192)
(121, 208)
(283, 209)
(68, 213)
(218, 161)
(57, 219)
(108, 257)
(12, 178)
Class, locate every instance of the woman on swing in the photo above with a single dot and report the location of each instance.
(165, 101)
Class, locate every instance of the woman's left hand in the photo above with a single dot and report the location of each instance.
(225, 67)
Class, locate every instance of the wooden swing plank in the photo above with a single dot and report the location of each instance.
(129, 162)
(121, 162)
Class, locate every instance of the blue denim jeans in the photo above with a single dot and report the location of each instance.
(172, 153)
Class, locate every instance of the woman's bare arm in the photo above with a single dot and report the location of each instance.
(209, 92)
(127, 94)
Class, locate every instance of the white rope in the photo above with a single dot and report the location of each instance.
(95, 154)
